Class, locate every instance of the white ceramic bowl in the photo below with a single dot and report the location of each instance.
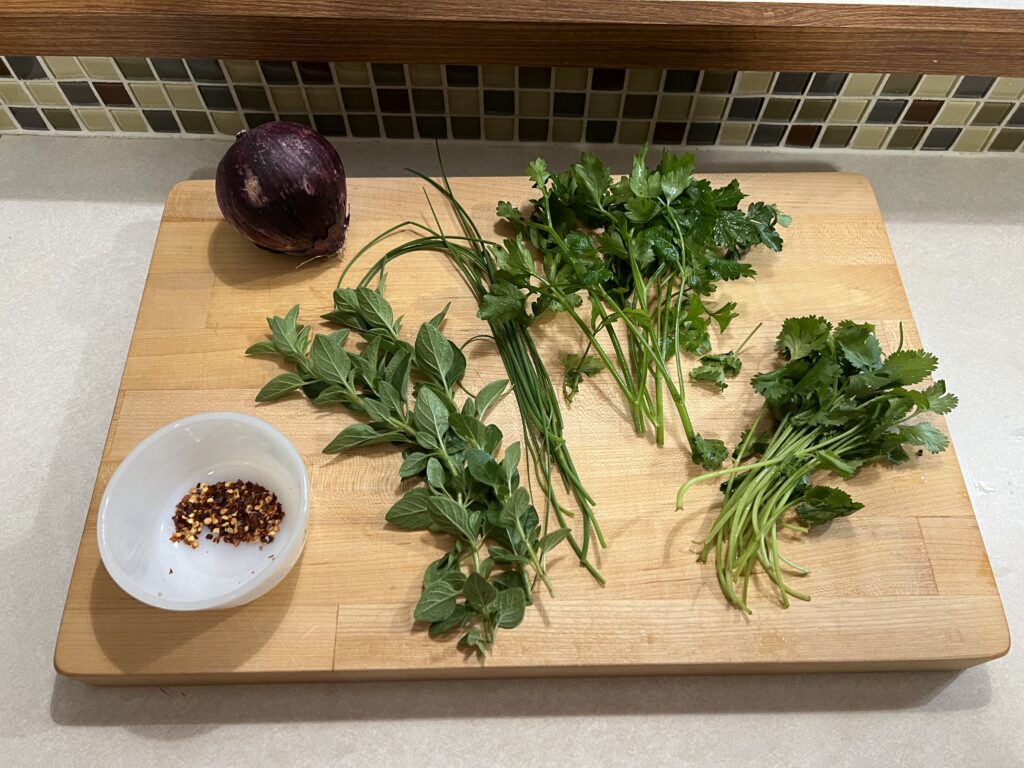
(135, 522)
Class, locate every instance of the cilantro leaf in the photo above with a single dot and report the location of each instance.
(802, 335)
(822, 504)
(925, 435)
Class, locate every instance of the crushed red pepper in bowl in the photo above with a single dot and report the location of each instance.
(238, 512)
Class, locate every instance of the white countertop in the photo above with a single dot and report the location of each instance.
(78, 217)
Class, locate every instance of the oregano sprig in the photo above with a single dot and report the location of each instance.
(469, 491)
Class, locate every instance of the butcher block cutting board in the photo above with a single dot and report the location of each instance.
(903, 584)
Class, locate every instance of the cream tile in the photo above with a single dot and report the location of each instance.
(99, 67)
(14, 94)
(351, 74)
(464, 101)
(862, 85)
(604, 105)
(709, 107)
(566, 130)
(148, 95)
(184, 95)
(936, 86)
(754, 82)
(64, 67)
(848, 110)
(956, 113)
(130, 120)
(95, 120)
(973, 139)
(534, 103)
(243, 71)
(46, 93)
(426, 75)
(870, 137)
(323, 100)
(228, 122)
(1007, 88)
(499, 128)
(499, 76)
(735, 134)
(644, 80)
(571, 78)
(288, 99)
(674, 106)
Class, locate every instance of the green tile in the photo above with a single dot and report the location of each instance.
(288, 98)
(735, 134)
(900, 84)
(534, 103)
(717, 81)
(571, 78)
(6, 121)
(62, 119)
(499, 128)
(99, 67)
(134, 68)
(130, 120)
(195, 122)
(604, 105)
(64, 67)
(499, 76)
(643, 80)
(991, 113)
(14, 94)
(95, 120)
(426, 75)
(1008, 140)
(351, 74)
(674, 107)
(936, 86)
(47, 93)
(956, 113)
(243, 71)
(814, 110)
(862, 85)
(463, 101)
(973, 139)
(634, 131)
(184, 95)
(754, 82)
(905, 137)
(323, 100)
(779, 110)
(709, 107)
(566, 130)
(849, 110)
(228, 122)
(836, 136)
(148, 95)
(870, 137)
(1007, 88)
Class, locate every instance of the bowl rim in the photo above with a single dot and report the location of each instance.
(237, 595)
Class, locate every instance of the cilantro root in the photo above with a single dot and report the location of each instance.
(838, 406)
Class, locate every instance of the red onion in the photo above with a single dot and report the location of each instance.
(282, 185)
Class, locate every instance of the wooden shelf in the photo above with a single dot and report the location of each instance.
(654, 33)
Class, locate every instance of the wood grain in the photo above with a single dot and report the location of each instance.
(903, 584)
(638, 33)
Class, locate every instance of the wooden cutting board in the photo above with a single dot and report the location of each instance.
(903, 584)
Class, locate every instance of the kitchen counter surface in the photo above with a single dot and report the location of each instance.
(78, 217)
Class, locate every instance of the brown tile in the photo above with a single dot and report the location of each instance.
(113, 94)
(802, 135)
(922, 112)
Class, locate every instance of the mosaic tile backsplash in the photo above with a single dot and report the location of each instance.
(204, 97)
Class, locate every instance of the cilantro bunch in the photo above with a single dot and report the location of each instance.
(466, 491)
(647, 250)
(838, 405)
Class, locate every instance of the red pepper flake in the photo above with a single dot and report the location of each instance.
(236, 512)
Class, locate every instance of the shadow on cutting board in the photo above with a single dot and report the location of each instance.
(240, 264)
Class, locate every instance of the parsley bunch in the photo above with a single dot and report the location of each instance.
(467, 490)
(647, 250)
(838, 406)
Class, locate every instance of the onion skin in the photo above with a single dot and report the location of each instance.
(282, 186)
